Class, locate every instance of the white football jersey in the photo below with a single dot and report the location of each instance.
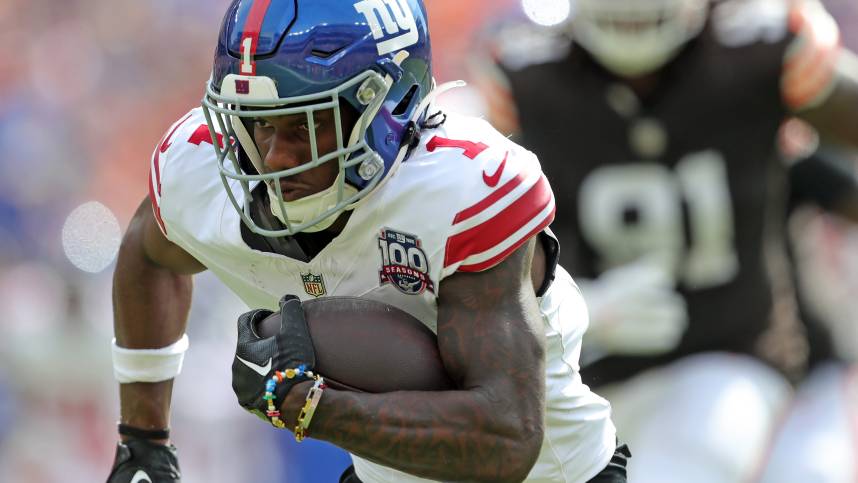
(463, 200)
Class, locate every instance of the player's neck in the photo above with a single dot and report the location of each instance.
(303, 246)
(340, 224)
(313, 243)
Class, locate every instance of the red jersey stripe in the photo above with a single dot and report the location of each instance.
(479, 267)
(162, 147)
(500, 227)
(156, 209)
(156, 166)
(155, 182)
(489, 200)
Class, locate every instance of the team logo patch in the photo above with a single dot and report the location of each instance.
(391, 22)
(404, 263)
(313, 284)
(242, 86)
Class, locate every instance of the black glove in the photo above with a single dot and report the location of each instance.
(140, 460)
(256, 358)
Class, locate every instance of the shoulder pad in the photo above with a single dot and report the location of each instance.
(176, 154)
(502, 198)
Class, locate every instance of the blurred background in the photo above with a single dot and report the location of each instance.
(87, 87)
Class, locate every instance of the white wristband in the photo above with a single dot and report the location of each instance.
(148, 365)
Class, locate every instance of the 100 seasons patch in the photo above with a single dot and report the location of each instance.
(404, 263)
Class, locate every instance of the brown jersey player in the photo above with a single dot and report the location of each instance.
(658, 136)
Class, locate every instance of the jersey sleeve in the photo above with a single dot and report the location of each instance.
(156, 168)
(508, 202)
(810, 60)
(180, 168)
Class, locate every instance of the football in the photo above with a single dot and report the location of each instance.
(368, 346)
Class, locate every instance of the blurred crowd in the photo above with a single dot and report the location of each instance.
(87, 87)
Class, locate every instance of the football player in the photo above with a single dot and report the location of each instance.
(821, 417)
(317, 166)
(656, 125)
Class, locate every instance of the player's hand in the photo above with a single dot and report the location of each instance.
(634, 310)
(257, 358)
(140, 460)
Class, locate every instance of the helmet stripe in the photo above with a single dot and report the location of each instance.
(250, 37)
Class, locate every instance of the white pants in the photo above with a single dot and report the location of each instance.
(706, 418)
(818, 440)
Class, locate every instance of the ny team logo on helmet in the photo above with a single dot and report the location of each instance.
(390, 21)
(300, 57)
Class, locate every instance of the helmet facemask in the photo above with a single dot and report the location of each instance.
(299, 58)
(225, 111)
(635, 37)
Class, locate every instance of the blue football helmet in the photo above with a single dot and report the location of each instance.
(299, 57)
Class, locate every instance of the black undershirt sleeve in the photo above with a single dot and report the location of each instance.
(827, 177)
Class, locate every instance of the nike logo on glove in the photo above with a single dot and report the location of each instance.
(141, 476)
(492, 181)
(261, 370)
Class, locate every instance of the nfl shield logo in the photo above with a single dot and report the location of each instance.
(313, 284)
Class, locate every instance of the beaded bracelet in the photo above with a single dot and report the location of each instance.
(309, 405)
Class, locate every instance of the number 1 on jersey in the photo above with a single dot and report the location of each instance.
(470, 149)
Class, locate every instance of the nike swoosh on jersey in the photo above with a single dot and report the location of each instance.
(261, 370)
(141, 476)
(492, 181)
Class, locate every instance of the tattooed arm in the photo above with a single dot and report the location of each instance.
(491, 339)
